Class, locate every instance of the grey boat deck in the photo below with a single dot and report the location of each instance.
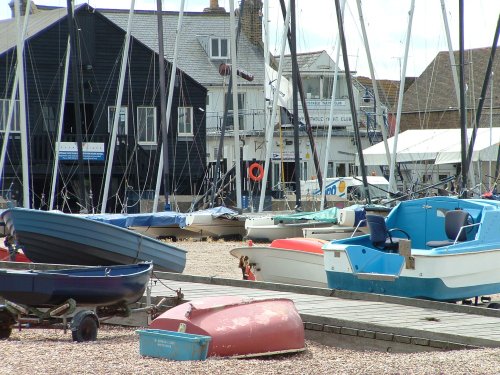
(402, 320)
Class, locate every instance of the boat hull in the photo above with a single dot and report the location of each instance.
(54, 237)
(297, 261)
(238, 326)
(435, 277)
(95, 286)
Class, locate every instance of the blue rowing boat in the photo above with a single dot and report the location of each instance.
(59, 238)
(91, 286)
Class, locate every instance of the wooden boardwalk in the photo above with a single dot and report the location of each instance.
(400, 320)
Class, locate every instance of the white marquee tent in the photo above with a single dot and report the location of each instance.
(443, 146)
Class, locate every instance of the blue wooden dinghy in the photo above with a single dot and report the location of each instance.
(453, 253)
(92, 286)
(59, 238)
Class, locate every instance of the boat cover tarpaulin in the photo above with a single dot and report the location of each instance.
(327, 216)
(443, 146)
(157, 219)
(218, 212)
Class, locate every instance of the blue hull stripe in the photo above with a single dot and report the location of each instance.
(433, 289)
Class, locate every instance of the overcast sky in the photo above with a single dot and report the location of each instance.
(386, 22)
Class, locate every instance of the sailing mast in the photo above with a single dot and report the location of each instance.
(340, 22)
(118, 106)
(304, 106)
(295, 73)
(237, 159)
(163, 164)
(378, 114)
(15, 85)
(463, 119)
(215, 183)
(76, 99)
(270, 123)
(59, 129)
(330, 117)
(163, 114)
(392, 181)
(486, 81)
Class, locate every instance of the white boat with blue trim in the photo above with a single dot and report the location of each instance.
(451, 252)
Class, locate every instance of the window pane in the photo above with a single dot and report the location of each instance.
(223, 48)
(311, 87)
(150, 125)
(141, 124)
(49, 118)
(122, 121)
(329, 171)
(215, 47)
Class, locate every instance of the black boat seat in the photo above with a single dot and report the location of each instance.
(454, 220)
(380, 236)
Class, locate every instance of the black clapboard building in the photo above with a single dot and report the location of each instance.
(137, 153)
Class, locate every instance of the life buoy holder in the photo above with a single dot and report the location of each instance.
(251, 172)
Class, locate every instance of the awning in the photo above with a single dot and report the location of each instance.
(442, 146)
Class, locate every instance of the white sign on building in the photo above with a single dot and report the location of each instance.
(91, 151)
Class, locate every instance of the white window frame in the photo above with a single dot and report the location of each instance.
(147, 141)
(123, 111)
(16, 122)
(185, 129)
(219, 44)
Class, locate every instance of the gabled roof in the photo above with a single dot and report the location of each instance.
(434, 90)
(196, 27)
(307, 61)
(37, 23)
(43, 20)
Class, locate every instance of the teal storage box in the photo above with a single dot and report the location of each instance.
(177, 346)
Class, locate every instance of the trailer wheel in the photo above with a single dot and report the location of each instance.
(6, 320)
(86, 330)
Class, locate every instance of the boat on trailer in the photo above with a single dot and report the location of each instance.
(238, 326)
(59, 238)
(74, 299)
(297, 261)
(89, 286)
(436, 248)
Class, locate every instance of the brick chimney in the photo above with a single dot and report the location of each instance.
(214, 7)
(22, 7)
(251, 23)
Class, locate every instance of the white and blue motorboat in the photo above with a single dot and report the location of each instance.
(436, 248)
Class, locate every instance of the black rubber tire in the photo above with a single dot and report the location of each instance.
(6, 320)
(493, 305)
(5, 333)
(86, 330)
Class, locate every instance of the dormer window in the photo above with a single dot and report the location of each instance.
(219, 48)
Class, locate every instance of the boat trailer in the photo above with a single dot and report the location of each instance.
(82, 321)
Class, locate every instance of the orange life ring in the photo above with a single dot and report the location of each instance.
(251, 172)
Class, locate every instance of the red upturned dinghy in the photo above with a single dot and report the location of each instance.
(240, 327)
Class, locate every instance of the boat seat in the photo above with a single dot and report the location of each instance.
(380, 236)
(454, 220)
